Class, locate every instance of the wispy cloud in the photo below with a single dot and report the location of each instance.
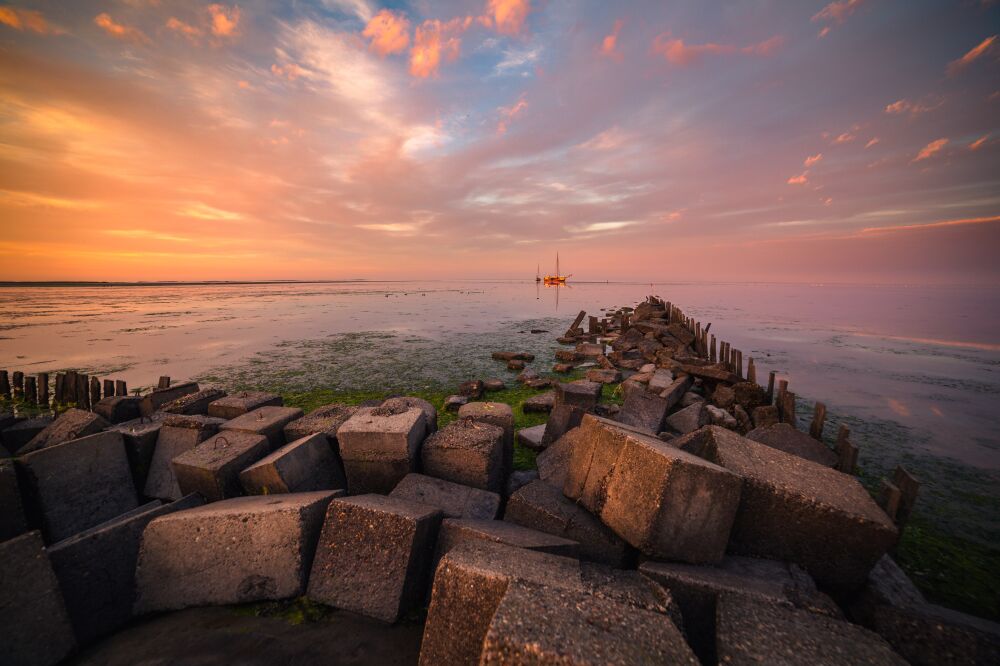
(905, 106)
(225, 19)
(515, 59)
(813, 159)
(28, 19)
(984, 47)
(609, 45)
(930, 150)
(118, 30)
(677, 52)
(800, 179)
(835, 13)
(388, 31)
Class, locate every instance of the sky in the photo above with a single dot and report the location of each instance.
(845, 141)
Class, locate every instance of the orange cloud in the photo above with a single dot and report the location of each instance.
(930, 150)
(433, 41)
(183, 28)
(813, 159)
(678, 53)
(508, 15)
(27, 19)
(225, 20)
(801, 179)
(609, 45)
(838, 11)
(978, 143)
(902, 106)
(977, 52)
(119, 31)
(932, 225)
(871, 143)
(508, 113)
(289, 71)
(389, 32)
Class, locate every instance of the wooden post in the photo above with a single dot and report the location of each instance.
(109, 388)
(4, 384)
(82, 392)
(570, 332)
(712, 354)
(30, 390)
(18, 384)
(889, 499)
(43, 389)
(908, 488)
(592, 324)
(739, 364)
(164, 383)
(120, 388)
(847, 454)
(819, 418)
(69, 387)
(751, 371)
(59, 388)
(95, 391)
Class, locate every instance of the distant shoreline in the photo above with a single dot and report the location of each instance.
(226, 283)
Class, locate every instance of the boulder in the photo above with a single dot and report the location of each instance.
(644, 410)
(324, 420)
(784, 437)
(723, 396)
(563, 368)
(304, 465)
(213, 467)
(675, 392)
(720, 417)
(796, 510)
(374, 555)
(71, 424)
(96, 568)
(661, 380)
(430, 413)
(513, 356)
(582, 393)
(379, 446)
(268, 421)
(234, 405)
(764, 416)
(230, 552)
(494, 385)
(539, 404)
(688, 419)
(453, 499)
(35, 630)
(519, 479)
(531, 438)
(78, 484)
(668, 503)
(604, 375)
(515, 365)
(454, 402)
(473, 389)
(118, 408)
(12, 519)
(499, 414)
(176, 435)
(455, 532)
(749, 395)
(193, 403)
(467, 452)
(152, 402)
(590, 349)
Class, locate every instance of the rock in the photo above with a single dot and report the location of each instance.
(764, 416)
(117, 409)
(605, 363)
(467, 452)
(784, 437)
(374, 555)
(690, 398)
(515, 365)
(661, 380)
(562, 419)
(379, 446)
(230, 552)
(581, 393)
(240, 403)
(22, 431)
(743, 424)
(151, 402)
(304, 465)
(795, 510)
(194, 403)
(12, 518)
(473, 389)
(723, 397)
(78, 484)
(603, 376)
(531, 438)
(513, 356)
(644, 410)
(712, 373)
(453, 499)
(96, 569)
(668, 503)
(494, 385)
(499, 414)
(71, 424)
(627, 340)
(648, 368)
(553, 463)
(720, 417)
(519, 479)
(689, 419)
(324, 420)
(213, 467)
(749, 631)
(749, 395)
(526, 376)
(539, 404)
(541, 506)
(590, 349)
(268, 421)
(176, 435)
(563, 368)
(568, 356)
(35, 630)
(456, 532)
(454, 402)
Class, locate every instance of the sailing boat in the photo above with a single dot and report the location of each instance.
(557, 278)
(538, 273)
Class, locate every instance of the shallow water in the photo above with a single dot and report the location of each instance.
(915, 371)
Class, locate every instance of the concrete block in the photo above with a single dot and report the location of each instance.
(71, 424)
(467, 452)
(531, 438)
(267, 421)
(177, 434)
(751, 631)
(784, 437)
(688, 419)
(379, 446)
(562, 419)
(17, 435)
(213, 467)
(35, 630)
(541, 506)
(240, 403)
(795, 510)
(304, 465)
(453, 499)
(140, 437)
(152, 402)
(498, 414)
(553, 462)
(643, 409)
(430, 413)
(230, 552)
(78, 484)
(453, 403)
(603, 376)
(324, 420)
(374, 555)
(193, 403)
(661, 380)
(580, 393)
(455, 532)
(117, 409)
(12, 518)
(539, 404)
(96, 569)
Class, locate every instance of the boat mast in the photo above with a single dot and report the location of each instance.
(557, 264)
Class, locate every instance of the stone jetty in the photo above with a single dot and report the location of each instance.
(679, 513)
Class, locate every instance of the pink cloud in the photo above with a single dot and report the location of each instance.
(508, 113)
(609, 45)
(931, 149)
(389, 32)
(186, 29)
(835, 13)
(119, 31)
(508, 15)
(433, 41)
(871, 143)
(902, 106)
(801, 179)
(813, 159)
(845, 137)
(290, 71)
(978, 143)
(678, 53)
(984, 47)
(225, 20)
(27, 19)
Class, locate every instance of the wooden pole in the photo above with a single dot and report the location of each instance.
(908, 489)
(69, 387)
(847, 453)
(95, 391)
(82, 393)
(819, 418)
(18, 384)
(770, 387)
(164, 383)
(739, 364)
(43, 389)
(788, 409)
(120, 387)
(4, 385)
(712, 354)
(109, 388)
(30, 390)
(751, 371)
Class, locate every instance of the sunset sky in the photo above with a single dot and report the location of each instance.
(852, 141)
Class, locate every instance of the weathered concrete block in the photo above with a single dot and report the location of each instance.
(553, 462)
(324, 420)
(603, 376)
(531, 438)
(78, 484)
(688, 419)
(240, 403)
(784, 437)
(795, 510)
(473, 577)
(562, 419)
(12, 518)
(304, 465)
(661, 379)
(541, 506)
(547, 625)
(213, 467)
(519, 479)
(267, 421)
(581, 393)
(467, 452)
(643, 409)
(117, 409)
(35, 630)
(96, 569)
(453, 499)
(539, 404)
(455, 532)
(765, 416)
(453, 403)
(379, 446)
(140, 437)
(498, 414)
(230, 552)
(374, 555)
(193, 403)
(151, 402)
(430, 413)
(17, 435)
(71, 424)
(668, 503)
(177, 434)
(751, 631)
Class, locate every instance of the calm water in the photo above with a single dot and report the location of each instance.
(915, 371)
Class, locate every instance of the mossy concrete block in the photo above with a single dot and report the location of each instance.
(193, 403)
(499, 414)
(118, 408)
(468, 452)
(152, 402)
(324, 420)
(236, 404)
(784, 437)
(379, 446)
